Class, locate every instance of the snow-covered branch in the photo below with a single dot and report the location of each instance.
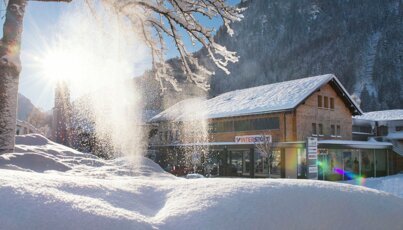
(180, 20)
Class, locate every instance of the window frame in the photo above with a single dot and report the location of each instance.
(320, 130)
(314, 130)
(333, 131)
(326, 102)
(320, 101)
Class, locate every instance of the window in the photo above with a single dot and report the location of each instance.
(257, 124)
(176, 135)
(319, 101)
(399, 128)
(332, 130)
(326, 102)
(242, 125)
(331, 103)
(223, 126)
(314, 133)
(338, 132)
(320, 129)
(265, 123)
(362, 129)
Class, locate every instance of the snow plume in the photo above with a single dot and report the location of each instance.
(194, 131)
(98, 56)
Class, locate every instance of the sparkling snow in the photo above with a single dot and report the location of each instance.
(49, 186)
(385, 115)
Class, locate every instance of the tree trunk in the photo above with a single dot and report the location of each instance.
(10, 68)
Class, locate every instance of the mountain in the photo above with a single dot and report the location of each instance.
(25, 107)
(360, 41)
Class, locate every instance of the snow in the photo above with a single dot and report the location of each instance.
(100, 194)
(363, 143)
(262, 99)
(396, 136)
(385, 115)
(390, 184)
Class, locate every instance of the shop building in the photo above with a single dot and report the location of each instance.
(294, 129)
(385, 126)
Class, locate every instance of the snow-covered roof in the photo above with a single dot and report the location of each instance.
(355, 144)
(262, 99)
(385, 115)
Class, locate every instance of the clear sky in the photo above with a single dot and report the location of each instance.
(42, 25)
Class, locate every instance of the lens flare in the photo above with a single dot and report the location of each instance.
(359, 180)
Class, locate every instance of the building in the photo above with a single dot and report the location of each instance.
(385, 126)
(294, 129)
(24, 128)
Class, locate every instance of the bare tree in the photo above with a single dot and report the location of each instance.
(156, 18)
(265, 147)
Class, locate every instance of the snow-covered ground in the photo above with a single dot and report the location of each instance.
(48, 186)
(390, 184)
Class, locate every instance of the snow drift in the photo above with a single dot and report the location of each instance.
(58, 188)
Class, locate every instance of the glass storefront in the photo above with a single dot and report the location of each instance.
(236, 163)
(246, 163)
(302, 168)
(275, 169)
(367, 163)
(347, 164)
(381, 163)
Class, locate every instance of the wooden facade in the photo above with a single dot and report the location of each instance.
(296, 124)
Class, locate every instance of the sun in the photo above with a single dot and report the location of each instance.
(62, 65)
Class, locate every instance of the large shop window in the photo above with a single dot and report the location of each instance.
(275, 164)
(381, 163)
(245, 125)
(348, 164)
(302, 166)
(236, 163)
(266, 165)
(223, 126)
(367, 163)
(257, 124)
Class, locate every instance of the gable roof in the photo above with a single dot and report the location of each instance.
(270, 98)
(384, 115)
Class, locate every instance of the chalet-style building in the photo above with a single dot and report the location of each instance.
(295, 129)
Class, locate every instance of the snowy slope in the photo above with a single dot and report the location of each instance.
(98, 194)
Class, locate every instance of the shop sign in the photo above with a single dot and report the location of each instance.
(313, 169)
(253, 139)
(312, 155)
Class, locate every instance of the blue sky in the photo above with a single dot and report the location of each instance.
(41, 27)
